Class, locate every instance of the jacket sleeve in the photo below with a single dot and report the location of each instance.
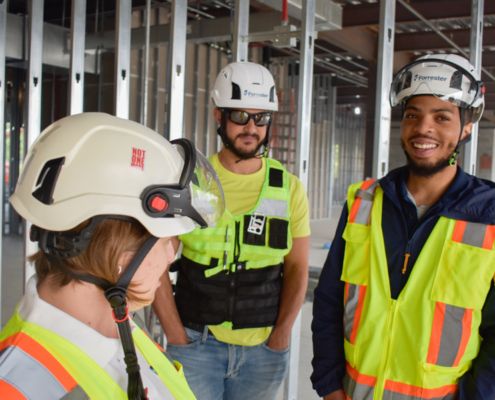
(328, 312)
(479, 382)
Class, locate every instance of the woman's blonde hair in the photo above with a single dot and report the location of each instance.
(110, 239)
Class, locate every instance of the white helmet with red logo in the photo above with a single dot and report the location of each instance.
(95, 164)
(245, 85)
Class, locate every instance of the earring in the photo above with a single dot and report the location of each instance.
(120, 269)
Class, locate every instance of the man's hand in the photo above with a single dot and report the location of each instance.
(278, 340)
(337, 395)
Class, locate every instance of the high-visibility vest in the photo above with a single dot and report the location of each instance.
(244, 287)
(419, 345)
(37, 364)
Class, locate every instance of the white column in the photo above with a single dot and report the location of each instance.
(122, 58)
(77, 40)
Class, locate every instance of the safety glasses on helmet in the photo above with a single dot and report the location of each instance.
(198, 195)
(241, 117)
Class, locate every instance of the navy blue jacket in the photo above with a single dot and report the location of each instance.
(469, 199)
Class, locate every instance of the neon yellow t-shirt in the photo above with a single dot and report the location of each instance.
(241, 194)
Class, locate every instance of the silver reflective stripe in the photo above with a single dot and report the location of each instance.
(29, 376)
(364, 211)
(273, 208)
(474, 234)
(357, 391)
(450, 340)
(350, 309)
(76, 394)
(389, 395)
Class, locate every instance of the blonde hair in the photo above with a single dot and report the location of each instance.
(110, 239)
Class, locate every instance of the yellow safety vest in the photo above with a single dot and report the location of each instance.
(420, 345)
(45, 365)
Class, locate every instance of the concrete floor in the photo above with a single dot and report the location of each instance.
(322, 231)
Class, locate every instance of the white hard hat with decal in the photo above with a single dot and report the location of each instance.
(449, 77)
(96, 164)
(245, 85)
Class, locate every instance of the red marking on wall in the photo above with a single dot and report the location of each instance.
(138, 157)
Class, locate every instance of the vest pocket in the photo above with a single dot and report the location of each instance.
(463, 266)
(357, 252)
(440, 381)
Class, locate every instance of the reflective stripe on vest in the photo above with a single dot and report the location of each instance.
(402, 391)
(358, 386)
(355, 294)
(354, 299)
(21, 357)
(361, 208)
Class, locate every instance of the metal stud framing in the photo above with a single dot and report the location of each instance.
(177, 59)
(476, 41)
(304, 103)
(241, 29)
(33, 120)
(77, 39)
(383, 111)
(122, 58)
(146, 66)
(3, 34)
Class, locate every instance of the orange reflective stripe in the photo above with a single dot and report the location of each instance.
(10, 392)
(436, 333)
(38, 352)
(355, 206)
(466, 334)
(417, 391)
(489, 237)
(459, 228)
(360, 378)
(357, 314)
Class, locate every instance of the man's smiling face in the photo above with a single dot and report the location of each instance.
(429, 134)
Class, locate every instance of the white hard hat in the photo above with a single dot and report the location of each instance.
(449, 77)
(95, 164)
(245, 85)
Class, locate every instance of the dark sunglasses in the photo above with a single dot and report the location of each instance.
(240, 117)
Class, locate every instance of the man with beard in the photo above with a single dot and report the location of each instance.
(241, 283)
(405, 306)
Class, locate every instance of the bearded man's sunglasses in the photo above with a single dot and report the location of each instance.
(240, 117)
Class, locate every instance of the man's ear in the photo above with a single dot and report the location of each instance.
(217, 113)
(466, 130)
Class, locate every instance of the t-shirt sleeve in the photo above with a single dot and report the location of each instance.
(299, 212)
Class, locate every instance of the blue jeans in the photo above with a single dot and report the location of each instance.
(221, 371)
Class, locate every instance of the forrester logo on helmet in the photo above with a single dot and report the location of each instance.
(247, 93)
(429, 78)
(137, 160)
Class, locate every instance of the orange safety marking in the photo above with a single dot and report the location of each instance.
(38, 352)
(459, 228)
(436, 333)
(360, 378)
(417, 391)
(355, 206)
(357, 314)
(155, 343)
(10, 392)
(489, 237)
(466, 334)
(406, 259)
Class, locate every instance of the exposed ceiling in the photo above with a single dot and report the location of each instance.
(349, 53)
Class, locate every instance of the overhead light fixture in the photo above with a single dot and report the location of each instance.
(357, 110)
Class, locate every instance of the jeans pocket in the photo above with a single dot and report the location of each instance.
(194, 339)
(284, 351)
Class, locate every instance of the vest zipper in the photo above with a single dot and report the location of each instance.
(382, 372)
(406, 256)
(237, 249)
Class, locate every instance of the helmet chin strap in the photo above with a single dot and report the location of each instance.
(460, 142)
(117, 297)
